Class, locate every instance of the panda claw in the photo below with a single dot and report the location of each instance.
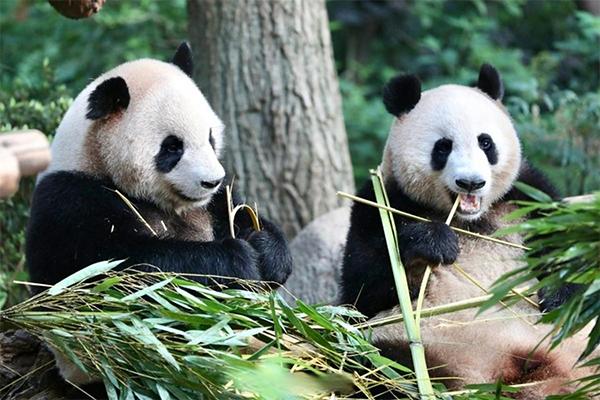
(429, 243)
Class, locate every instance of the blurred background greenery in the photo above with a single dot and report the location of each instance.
(547, 51)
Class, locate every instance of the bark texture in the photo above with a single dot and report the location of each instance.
(267, 69)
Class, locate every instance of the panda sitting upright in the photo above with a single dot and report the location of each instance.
(446, 142)
(143, 130)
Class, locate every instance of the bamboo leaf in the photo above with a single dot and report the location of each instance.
(83, 274)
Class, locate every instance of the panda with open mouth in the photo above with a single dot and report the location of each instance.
(448, 142)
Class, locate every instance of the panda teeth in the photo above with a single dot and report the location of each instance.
(469, 203)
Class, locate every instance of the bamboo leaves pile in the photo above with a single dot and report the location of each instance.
(153, 335)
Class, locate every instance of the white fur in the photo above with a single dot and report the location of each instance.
(472, 347)
(164, 101)
(461, 114)
(121, 147)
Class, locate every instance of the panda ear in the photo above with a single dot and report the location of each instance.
(109, 97)
(183, 59)
(401, 94)
(490, 83)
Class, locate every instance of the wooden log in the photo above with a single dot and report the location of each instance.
(579, 199)
(9, 173)
(22, 153)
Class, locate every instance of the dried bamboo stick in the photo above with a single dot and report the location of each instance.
(416, 217)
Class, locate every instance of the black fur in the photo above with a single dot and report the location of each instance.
(211, 140)
(534, 177)
(77, 220)
(551, 300)
(367, 279)
(183, 59)
(401, 94)
(490, 82)
(109, 97)
(171, 151)
(486, 143)
(440, 153)
(423, 244)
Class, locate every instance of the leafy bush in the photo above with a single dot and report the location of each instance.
(548, 70)
(82, 49)
(24, 106)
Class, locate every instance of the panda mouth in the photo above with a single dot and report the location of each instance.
(469, 204)
(188, 198)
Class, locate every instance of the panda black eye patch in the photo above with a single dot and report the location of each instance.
(486, 143)
(211, 139)
(171, 151)
(439, 155)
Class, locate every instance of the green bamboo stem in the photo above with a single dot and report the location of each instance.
(412, 330)
(448, 308)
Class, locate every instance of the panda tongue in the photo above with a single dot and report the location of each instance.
(469, 203)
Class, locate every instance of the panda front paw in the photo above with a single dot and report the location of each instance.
(429, 243)
(243, 259)
(549, 301)
(274, 258)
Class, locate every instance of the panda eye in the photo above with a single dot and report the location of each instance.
(211, 139)
(172, 144)
(443, 146)
(485, 142)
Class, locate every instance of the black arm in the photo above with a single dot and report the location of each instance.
(367, 278)
(76, 221)
(274, 257)
(535, 178)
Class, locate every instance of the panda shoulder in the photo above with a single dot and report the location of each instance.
(532, 176)
(74, 194)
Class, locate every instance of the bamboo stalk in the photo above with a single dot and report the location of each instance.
(416, 217)
(129, 204)
(478, 284)
(427, 273)
(439, 310)
(417, 349)
(232, 211)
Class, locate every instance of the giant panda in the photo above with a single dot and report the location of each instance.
(446, 142)
(143, 130)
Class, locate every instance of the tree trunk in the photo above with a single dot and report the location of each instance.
(267, 69)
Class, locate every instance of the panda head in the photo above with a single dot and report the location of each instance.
(451, 141)
(146, 126)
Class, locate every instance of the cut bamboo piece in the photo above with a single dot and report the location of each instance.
(30, 148)
(22, 153)
(416, 217)
(232, 211)
(9, 173)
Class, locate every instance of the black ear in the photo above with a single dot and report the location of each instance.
(490, 82)
(183, 58)
(401, 94)
(110, 96)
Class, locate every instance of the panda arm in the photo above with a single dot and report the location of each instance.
(535, 178)
(75, 221)
(367, 276)
(531, 176)
(274, 257)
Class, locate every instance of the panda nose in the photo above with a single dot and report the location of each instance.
(211, 184)
(470, 185)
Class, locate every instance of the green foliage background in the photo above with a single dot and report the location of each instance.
(547, 52)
